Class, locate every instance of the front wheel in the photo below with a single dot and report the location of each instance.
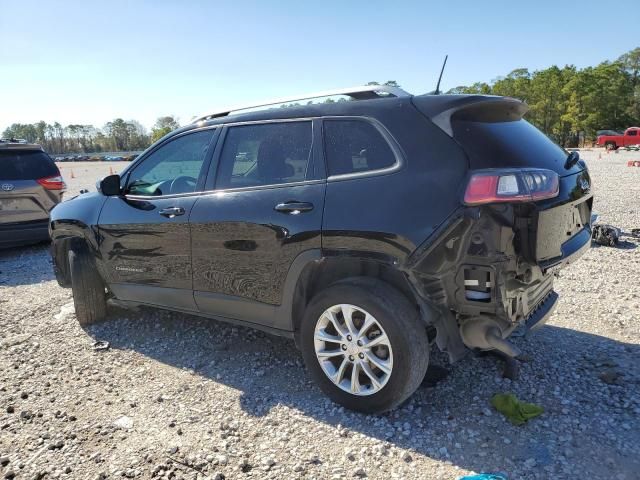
(364, 344)
(89, 296)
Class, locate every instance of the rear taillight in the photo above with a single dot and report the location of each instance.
(511, 185)
(53, 183)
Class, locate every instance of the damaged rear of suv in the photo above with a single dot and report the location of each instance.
(366, 230)
(526, 211)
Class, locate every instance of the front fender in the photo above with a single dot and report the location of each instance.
(75, 220)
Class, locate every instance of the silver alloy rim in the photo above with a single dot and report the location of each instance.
(353, 349)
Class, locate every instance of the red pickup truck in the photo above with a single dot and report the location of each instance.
(631, 136)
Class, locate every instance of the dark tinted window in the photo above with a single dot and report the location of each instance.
(266, 154)
(353, 146)
(173, 168)
(26, 165)
(632, 133)
(510, 144)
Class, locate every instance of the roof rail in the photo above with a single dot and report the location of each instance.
(365, 92)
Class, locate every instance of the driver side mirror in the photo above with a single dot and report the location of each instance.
(109, 186)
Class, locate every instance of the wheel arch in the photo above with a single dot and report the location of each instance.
(60, 247)
(322, 271)
(66, 235)
(74, 222)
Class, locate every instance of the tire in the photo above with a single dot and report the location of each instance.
(610, 146)
(88, 289)
(407, 352)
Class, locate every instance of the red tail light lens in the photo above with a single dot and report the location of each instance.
(53, 183)
(500, 186)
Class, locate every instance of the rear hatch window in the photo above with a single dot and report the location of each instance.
(26, 165)
(510, 144)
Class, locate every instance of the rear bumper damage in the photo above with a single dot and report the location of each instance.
(491, 271)
(542, 313)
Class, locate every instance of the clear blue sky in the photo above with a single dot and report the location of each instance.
(89, 62)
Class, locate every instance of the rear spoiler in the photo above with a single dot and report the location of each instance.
(442, 109)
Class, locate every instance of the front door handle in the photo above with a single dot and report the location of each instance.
(293, 208)
(171, 212)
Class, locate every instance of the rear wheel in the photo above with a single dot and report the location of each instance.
(364, 344)
(610, 146)
(88, 290)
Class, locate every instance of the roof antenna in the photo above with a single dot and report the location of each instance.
(437, 91)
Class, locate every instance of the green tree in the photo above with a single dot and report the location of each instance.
(163, 126)
(515, 84)
(477, 88)
(388, 83)
(630, 62)
(78, 138)
(118, 134)
(569, 104)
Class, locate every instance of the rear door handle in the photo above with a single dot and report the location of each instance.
(293, 208)
(171, 212)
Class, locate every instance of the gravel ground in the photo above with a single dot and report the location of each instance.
(180, 397)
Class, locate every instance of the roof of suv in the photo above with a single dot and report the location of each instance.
(296, 107)
(302, 111)
(368, 100)
(18, 144)
(365, 92)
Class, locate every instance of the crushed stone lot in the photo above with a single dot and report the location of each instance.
(176, 396)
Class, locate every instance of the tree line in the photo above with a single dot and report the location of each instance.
(116, 136)
(569, 104)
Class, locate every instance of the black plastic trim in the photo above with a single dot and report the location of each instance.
(264, 328)
(230, 306)
(181, 298)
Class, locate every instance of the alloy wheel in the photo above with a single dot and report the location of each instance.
(353, 349)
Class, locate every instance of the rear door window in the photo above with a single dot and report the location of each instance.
(265, 154)
(26, 165)
(354, 146)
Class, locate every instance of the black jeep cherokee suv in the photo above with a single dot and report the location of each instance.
(367, 230)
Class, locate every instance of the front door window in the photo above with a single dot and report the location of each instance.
(173, 168)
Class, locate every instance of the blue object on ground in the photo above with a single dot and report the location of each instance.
(485, 476)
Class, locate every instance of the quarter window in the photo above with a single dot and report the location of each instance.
(265, 154)
(354, 146)
(173, 168)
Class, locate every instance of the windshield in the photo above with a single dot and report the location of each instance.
(607, 132)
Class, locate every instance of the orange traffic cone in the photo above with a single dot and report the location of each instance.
(110, 170)
(72, 175)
